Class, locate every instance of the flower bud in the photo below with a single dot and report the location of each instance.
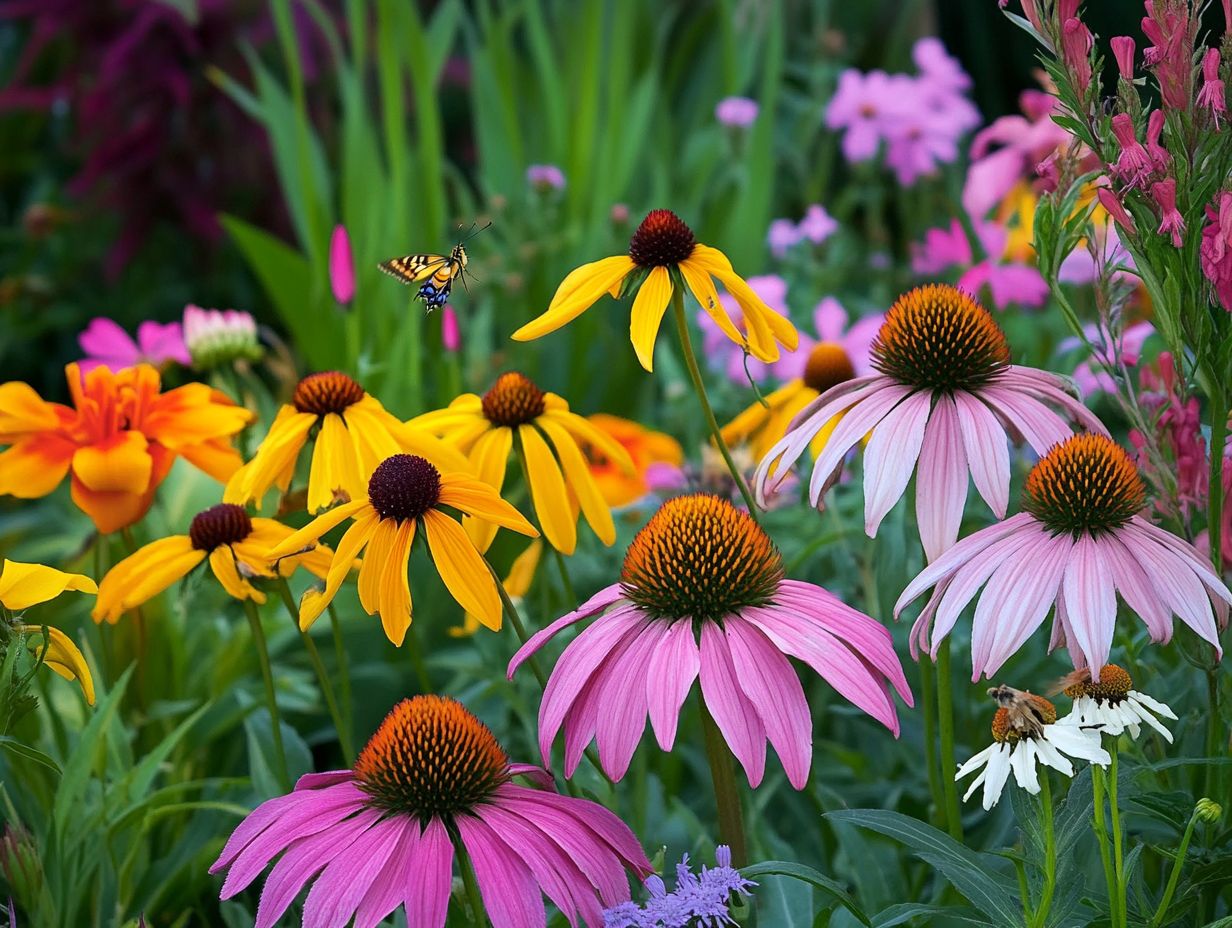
(1208, 810)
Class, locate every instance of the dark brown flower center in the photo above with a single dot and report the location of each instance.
(224, 524)
(1086, 484)
(404, 486)
(936, 337)
(662, 240)
(326, 392)
(431, 758)
(700, 558)
(513, 400)
(827, 366)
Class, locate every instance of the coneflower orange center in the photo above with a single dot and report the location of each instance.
(404, 486)
(1087, 484)
(936, 337)
(1113, 686)
(224, 524)
(513, 400)
(700, 558)
(661, 240)
(431, 758)
(1006, 730)
(827, 366)
(326, 392)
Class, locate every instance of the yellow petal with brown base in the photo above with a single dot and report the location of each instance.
(463, 569)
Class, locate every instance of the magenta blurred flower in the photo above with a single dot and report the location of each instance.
(724, 354)
(860, 106)
(107, 344)
(1076, 45)
(1008, 282)
(781, 236)
(816, 227)
(736, 112)
(451, 336)
(341, 266)
(1216, 251)
(938, 66)
(1080, 542)
(545, 177)
(702, 568)
(384, 835)
(830, 322)
(1115, 208)
(943, 396)
(1177, 423)
(216, 336)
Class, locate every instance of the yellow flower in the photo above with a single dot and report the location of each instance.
(354, 434)
(560, 481)
(26, 585)
(237, 546)
(662, 253)
(516, 584)
(1017, 213)
(644, 446)
(405, 494)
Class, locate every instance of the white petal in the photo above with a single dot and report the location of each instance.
(1023, 761)
(975, 783)
(1078, 742)
(1153, 704)
(997, 772)
(976, 760)
(1052, 757)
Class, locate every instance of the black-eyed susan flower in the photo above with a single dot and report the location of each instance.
(405, 494)
(548, 437)
(25, 585)
(238, 547)
(664, 256)
(432, 780)
(353, 434)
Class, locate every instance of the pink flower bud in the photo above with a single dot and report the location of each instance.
(1108, 200)
(1076, 44)
(1154, 129)
(451, 337)
(1212, 95)
(1123, 50)
(341, 266)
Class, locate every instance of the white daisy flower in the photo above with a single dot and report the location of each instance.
(1113, 703)
(1026, 733)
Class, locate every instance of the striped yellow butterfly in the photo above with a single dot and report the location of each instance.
(434, 273)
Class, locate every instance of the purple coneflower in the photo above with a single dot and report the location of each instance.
(1080, 541)
(946, 395)
(384, 834)
(702, 568)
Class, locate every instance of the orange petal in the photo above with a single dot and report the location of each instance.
(119, 464)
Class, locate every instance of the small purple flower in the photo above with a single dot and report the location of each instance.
(701, 899)
(545, 177)
(107, 344)
(736, 112)
(341, 266)
(782, 235)
(817, 225)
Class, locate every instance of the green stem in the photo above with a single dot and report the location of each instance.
(421, 669)
(1214, 527)
(699, 386)
(342, 725)
(479, 916)
(1050, 852)
(1101, 836)
(258, 639)
(945, 719)
(1118, 845)
(344, 667)
(928, 702)
(726, 792)
(1161, 912)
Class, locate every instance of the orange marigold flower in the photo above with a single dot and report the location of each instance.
(645, 447)
(118, 439)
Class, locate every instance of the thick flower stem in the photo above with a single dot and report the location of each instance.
(1105, 855)
(945, 720)
(258, 639)
(1050, 853)
(343, 725)
(928, 702)
(1214, 527)
(726, 791)
(699, 387)
(473, 898)
(1162, 912)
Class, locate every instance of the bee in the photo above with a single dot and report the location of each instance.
(1023, 709)
(437, 272)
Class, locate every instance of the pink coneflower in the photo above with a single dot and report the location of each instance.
(383, 834)
(1080, 541)
(1171, 222)
(1216, 250)
(700, 567)
(1211, 95)
(945, 395)
(1008, 281)
(107, 344)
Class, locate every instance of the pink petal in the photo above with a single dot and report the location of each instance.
(601, 600)
(534, 773)
(735, 716)
(941, 481)
(622, 702)
(1136, 589)
(855, 424)
(890, 456)
(1036, 423)
(429, 878)
(1090, 600)
(669, 677)
(601, 821)
(336, 895)
(988, 453)
(1175, 582)
(322, 780)
(829, 320)
(388, 889)
(1050, 387)
(160, 343)
(106, 341)
(511, 897)
(1187, 552)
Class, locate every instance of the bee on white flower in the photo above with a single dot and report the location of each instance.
(1112, 703)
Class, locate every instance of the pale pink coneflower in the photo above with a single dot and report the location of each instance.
(384, 834)
(702, 568)
(1080, 541)
(945, 395)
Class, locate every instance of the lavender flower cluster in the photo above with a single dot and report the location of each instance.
(698, 899)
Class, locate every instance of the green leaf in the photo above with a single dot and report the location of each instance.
(32, 754)
(807, 875)
(901, 914)
(972, 874)
(81, 761)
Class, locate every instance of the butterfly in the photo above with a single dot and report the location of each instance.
(437, 272)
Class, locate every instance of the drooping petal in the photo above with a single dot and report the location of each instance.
(25, 585)
(334, 473)
(64, 657)
(600, 601)
(346, 879)
(143, 575)
(429, 878)
(735, 716)
(462, 568)
(353, 541)
(476, 498)
(858, 421)
(1090, 599)
(670, 674)
(941, 480)
(623, 700)
(226, 571)
(988, 453)
(511, 896)
(647, 315)
(388, 887)
(306, 536)
(576, 293)
(890, 456)
(547, 490)
(580, 480)
(395, 591)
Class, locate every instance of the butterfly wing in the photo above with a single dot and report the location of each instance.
(414, 268)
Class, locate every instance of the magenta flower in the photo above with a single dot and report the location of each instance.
(1080, 542)
(859, 106)
(107, 344)
(1216, 251)
(1173, 33)
(383, 835)
(1177, 423)
(451, 335)
(1171, 222)
(702, 568)
(1133, 165)
(1212, 96)
(945, 395)
(341, 266)
(545, 177)
(830, 322)
(736, 112)
(1123, 50)
(1115, 208)
(817, 224)
(1076, 44)
(1007, 281)
(721, 352)
(1109, 352)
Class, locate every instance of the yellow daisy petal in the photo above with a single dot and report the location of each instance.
(306, 536)
(648, 308)
(314, 602)
(704, 292)
(547, 491)
(335, 467)
(489, 458)
(143, 575)
(64, 657)
(226, 569)
(751, 420)
(478, 499)
(588, 433)
(517, 584)
(577, 471)
(25, 585)
(462, 568)
(396, 586)
(274, 462)
(376, 557)
(576, 293)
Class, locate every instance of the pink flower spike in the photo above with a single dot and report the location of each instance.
(341, 266)
(451, 336)
(1109, 201)
(736, 112)
(1172, 223)
(1212, 94)
(1133, 165)
(1123, 50)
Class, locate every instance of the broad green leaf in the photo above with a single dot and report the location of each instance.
(810, 876)
(20, 749)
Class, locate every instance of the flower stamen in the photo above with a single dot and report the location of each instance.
(326, 392)
(224, 524)
(513, 400)
(1086, 484)
(404, 486)
(662, 240)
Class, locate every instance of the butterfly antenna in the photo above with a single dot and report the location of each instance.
(471, 235)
